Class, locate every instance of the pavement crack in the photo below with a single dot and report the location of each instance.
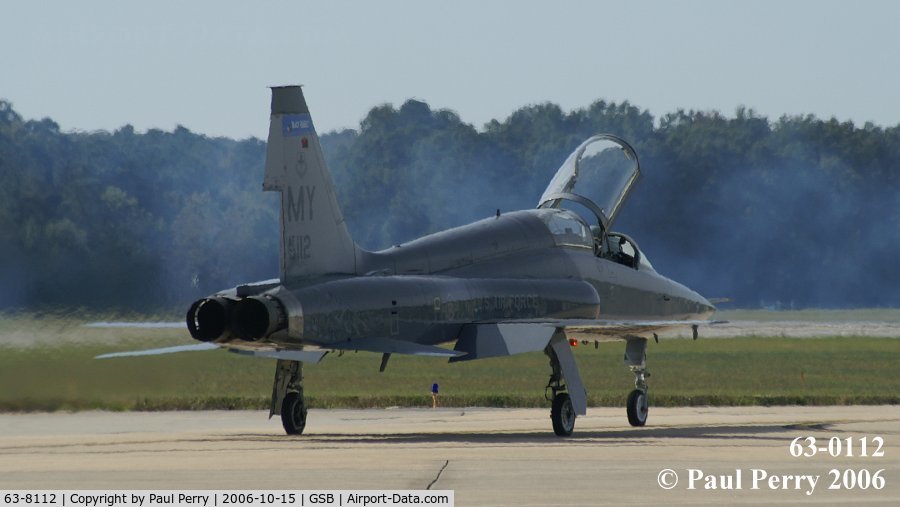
(438, 476)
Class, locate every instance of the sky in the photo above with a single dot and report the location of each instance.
(207, 65)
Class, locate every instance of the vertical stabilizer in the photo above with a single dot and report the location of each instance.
(314, 237)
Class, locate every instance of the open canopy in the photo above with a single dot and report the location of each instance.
(599, 174)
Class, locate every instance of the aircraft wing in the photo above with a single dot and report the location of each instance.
(390, 346)
(304, 356)
(136, 325)
(478, 341)
(163, 350)
(627, 329)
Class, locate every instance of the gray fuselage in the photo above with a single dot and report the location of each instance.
(502, 269)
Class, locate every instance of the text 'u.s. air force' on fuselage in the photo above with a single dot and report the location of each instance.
(525, 281)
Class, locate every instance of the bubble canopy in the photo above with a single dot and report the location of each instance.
(599, 174)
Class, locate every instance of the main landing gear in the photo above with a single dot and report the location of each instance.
(637, 406)
(562, 413)
(287, 396)
(568, 394)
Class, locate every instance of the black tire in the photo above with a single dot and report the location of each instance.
(563, 415)
(637, 408)
(293, 414)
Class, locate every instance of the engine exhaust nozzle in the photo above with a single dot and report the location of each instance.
(207, 319)
(257, 317)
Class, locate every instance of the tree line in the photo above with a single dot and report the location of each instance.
(792, 212)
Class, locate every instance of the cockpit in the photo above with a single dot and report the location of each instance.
(568, 228)
(598, 176)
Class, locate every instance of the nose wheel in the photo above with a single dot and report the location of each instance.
(637, 408)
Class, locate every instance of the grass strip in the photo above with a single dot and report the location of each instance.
(718, 372)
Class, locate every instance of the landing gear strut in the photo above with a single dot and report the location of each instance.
(568, 395)
(562, 415)
(287, 396)
(637, 406)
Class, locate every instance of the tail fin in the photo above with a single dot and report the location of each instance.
(314, 238)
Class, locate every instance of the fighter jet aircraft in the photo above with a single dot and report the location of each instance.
(512, 283)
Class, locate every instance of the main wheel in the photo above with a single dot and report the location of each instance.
(637, 408)
(293, 414)
(563, 415)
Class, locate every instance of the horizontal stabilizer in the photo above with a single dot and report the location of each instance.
(478, 341)
(304, 356)
(390, 346)
(165, 350)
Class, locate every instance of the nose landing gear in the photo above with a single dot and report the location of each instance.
(637, 406)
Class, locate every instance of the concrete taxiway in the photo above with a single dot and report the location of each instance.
(487, 456)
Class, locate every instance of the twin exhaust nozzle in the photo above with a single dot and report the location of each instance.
(220, 319)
